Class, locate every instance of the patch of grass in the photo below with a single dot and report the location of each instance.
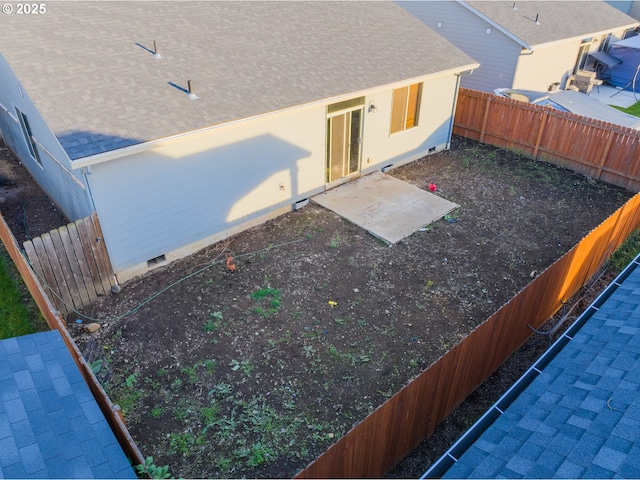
(128, 394)
(272, 297)
(427, 285)
(185, 443)
(209, 414)
(213, 323)
(183, 409)
(626, 252)
(221, 389)
(157, 413)
(632, 110)
(336, 240)
(192, 375)
(19, 314)
(210, 366)
(266, 292)
(253, 432)
(244, 365)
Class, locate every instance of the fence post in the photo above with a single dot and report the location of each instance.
(543, 122)
(484, 119)
(603, 159)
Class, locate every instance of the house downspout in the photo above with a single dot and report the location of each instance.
(86, 171)
(455, 103)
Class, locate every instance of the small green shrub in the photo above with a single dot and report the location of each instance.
(149, 470)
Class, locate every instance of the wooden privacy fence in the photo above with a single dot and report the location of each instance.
(388, 434)
(55, 322)
(597, 149)
(72, 263)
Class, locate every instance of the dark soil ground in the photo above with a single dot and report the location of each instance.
(25, 207)
(255, 372)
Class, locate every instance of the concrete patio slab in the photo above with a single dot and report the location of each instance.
(615, 96)
(384, 206)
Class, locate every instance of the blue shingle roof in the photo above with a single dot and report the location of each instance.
(50, 424)
(579, 415)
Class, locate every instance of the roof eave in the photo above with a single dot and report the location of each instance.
(144, 146)
(499, 27)
(585, 35)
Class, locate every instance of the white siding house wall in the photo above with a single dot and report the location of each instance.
(496, 53)
(380, 148)
(546, 65)
(66, 188)
(183, 194)
(198, 189)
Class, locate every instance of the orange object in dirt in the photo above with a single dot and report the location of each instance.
(231, 266)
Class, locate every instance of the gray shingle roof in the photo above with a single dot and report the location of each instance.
(50, 424)
(580, 415)
(557, 19)
(90, 68)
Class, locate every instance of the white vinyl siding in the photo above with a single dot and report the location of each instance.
(183, 194)
(34, 143)
(191, 188)
(546, 66)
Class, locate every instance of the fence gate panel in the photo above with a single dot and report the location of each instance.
(72, 264)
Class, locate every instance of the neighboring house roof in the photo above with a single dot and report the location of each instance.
(50, 423)
(557, 20)
(90, 68)
(579, 416)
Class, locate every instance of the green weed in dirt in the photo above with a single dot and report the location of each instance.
(244, 365)
(336, 240)
(269, 295)
(128, 394)
(150, 470)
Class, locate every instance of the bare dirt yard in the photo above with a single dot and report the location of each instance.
(253, 366)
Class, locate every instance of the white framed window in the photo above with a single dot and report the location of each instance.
(28, 136)
(405, 108)
(583, 53)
